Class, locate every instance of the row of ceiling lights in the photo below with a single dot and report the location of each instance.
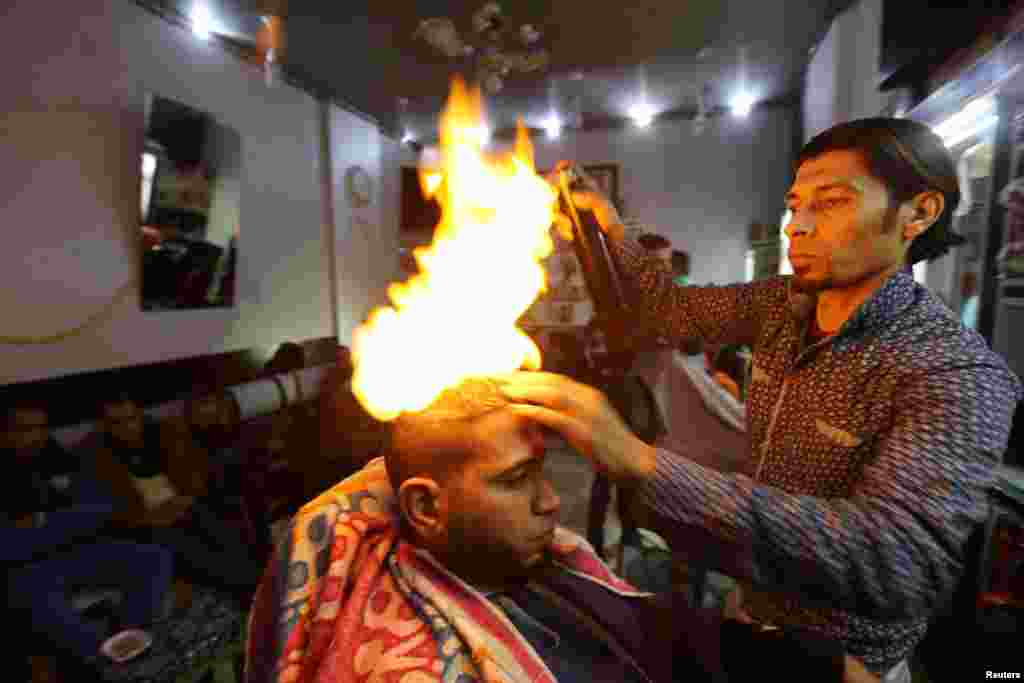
(642, 114)
(975, 118)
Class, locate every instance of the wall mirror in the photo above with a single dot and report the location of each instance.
(189, 210)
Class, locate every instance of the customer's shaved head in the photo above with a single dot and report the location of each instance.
(469, 477)
(436, 442)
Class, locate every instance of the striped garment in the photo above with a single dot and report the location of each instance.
(870, 454)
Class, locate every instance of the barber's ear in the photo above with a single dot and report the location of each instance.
(422, 505)
(925, 208)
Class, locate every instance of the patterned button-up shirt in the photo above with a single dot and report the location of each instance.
(871, 454)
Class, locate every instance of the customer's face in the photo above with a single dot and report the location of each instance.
(502, 509)
(843, 231)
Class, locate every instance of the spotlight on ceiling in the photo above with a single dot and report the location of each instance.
(202, 21)
(742, 103)
(553, 126)
(408, 137)
(642, 114)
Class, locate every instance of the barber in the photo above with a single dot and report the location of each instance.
(875, 418)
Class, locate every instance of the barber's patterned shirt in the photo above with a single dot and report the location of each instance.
(871, 453)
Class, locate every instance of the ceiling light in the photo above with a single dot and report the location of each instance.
(978, 116)
(202, 21)
(553, 125)
(642, 114)
(408, 137)
(742, 103)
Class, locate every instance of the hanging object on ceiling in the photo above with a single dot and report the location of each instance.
(487, 46)
(700, 120)
(442, 35)
(264, 49)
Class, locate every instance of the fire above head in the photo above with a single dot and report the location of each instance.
(456, 318)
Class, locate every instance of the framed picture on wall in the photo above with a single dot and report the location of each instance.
(607, 178)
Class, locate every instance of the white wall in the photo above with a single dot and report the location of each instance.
(70, 139)
(842, 78)
(366, 247)
(702, 192)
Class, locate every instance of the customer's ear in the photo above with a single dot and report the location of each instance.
(421, 503)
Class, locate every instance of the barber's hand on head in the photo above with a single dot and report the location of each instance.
(585, 418)
(588, 198)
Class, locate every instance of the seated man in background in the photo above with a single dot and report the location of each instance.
(444, 561)
(54, 509)
(160, 486)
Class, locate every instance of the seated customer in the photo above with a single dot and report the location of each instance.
(53, 510)
(444, 561)
(212, 419)
(160, 486)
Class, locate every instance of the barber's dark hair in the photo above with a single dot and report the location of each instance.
(909, 158)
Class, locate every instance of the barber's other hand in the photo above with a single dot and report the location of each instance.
(585, 418)
(588, 198)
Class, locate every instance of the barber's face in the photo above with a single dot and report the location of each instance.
(502, 509)
(842, 231)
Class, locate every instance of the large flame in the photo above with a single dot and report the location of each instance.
(457, 317)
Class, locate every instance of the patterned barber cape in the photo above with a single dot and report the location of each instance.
(870, 454)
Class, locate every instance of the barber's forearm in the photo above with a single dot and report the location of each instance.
(830, 552)
(726, 315)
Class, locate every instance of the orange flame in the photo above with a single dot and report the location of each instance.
(457, 317)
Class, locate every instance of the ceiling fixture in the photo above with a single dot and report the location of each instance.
(743, 101)
(700, 120)
(403, 121)
(265, 49)
(553, 126)
(202, 21)
(491, 49)
(270, 42)
(642, 114)
(977, 117)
